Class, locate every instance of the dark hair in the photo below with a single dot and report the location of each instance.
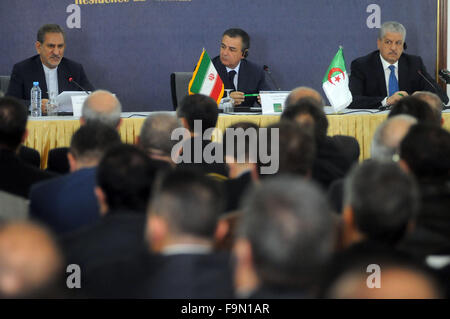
(91, 141)
(415, 107)
(13, 122)
(199, 107)
(49, 28)
(290, 228)
(125, 174)
(189, 201)
(250, 141)
(426, 150)
(312, 107)
(383, 198)
(296, 148)
(236, 32)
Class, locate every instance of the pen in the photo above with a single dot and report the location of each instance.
(251, 94)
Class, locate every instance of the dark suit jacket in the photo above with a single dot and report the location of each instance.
(66, 203)
(30, 156)
(16, 176)
(251, 79)
(30, 70)
(57, 160)
(180, 276)
(117, 234)
(368, 83)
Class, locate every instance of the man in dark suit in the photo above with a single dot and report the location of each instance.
(68, 202)
(48, 67)
(383, 77)
(16, 176)
(236, 72)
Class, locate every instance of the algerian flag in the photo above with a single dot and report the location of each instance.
(335, 83)
(206, 80)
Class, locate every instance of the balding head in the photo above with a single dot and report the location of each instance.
(389, 134)
(396, 283)
(30, 260)
(102, 106)
(301, 92)
(433, 100)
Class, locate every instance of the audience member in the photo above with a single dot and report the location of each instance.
(16, 176)
(13, 207)
(31, 262)
(198, 113)
(124, 181)
(415, 107)
(100, 106)
(156, 137)
(286, 237)
(425, 152)
(330, 162)
(380, 202)
(434, 101)
(68, 202)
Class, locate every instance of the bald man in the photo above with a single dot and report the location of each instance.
(100, 106)
(302, 92)
(30, 261)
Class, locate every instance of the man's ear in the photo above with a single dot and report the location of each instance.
(243, 252)
(38, 45)
(348, 216)
(101, 199)
(138, 140)
(82, 121)
(185, 123)
(222, 230)
(157, 230)
(72, 162)
(404, 166)
(119, 124)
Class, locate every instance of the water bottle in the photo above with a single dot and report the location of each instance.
(35, 107)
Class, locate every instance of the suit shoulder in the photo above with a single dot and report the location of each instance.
(27, 62)
(252, 67)
(366, 58)
(70, 63)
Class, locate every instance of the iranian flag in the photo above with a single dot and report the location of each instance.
(335, 83)
(206, 80)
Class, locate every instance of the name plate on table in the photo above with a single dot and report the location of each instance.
(77, 104)
(272, 102)
(64, 100)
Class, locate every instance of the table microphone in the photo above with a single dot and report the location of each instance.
(432, 85)
(266, 68)
(71, 80)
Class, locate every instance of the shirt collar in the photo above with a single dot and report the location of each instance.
(386, 64)
(235, 69)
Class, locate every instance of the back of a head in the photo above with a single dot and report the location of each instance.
(91, 141)
(309, 113)
(156, 132)
(190, 202)
(31, 262)
(433, 100)
(102, 106)
(384, 199)
(13, 122)
(295, 147)
(399, 277)
(240, 142)
(302, 92)
(198, 107)
(426, 150)
(290, 229)
(125, 174)
(415, 107)
(389, 134)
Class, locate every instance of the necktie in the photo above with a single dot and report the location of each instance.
(393, 83)
(231, 75)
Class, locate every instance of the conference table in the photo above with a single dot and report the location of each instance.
(46, 133)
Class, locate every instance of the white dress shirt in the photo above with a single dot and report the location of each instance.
(51, 77)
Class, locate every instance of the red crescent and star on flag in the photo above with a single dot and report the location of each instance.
(337, 79)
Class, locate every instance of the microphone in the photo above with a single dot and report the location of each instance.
(445, 75)
(71, 80)
(432, 85)
(266, 68)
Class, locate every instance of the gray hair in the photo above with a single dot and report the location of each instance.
(49, 28)
(156, 133)
(306, 92)
(392, 26)
(290, 228)
(384, 200)
(386, 140)
(91, 115)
